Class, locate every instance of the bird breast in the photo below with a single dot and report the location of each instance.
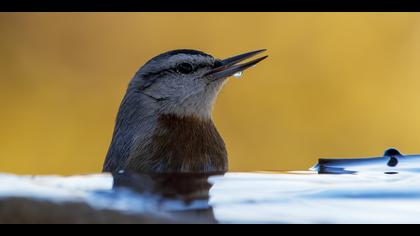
(182, 144)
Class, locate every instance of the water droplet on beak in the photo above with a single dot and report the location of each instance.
(238, 74)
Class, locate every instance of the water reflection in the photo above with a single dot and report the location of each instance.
(181, 195)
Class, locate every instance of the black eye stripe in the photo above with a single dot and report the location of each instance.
(217, 63)
(170, 70)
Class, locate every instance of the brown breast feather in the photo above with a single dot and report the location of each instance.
(181, 144)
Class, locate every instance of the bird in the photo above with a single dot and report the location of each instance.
(164, 122)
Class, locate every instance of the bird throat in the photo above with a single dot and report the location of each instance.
(183, 144)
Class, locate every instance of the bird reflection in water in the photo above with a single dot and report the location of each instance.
(182, 195)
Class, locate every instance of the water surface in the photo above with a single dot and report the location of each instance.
(365, 190)
(287, 197)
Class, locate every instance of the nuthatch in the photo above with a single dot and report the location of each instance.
(164, 122)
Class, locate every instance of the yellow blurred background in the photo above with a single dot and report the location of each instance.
(335, 84)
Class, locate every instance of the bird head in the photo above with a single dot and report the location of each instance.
(187, 82)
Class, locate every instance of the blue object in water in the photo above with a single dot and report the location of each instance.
(392, 162)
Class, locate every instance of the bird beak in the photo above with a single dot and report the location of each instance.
(230, 66)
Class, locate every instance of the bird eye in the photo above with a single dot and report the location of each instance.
(185, 68)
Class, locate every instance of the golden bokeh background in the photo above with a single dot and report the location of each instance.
(335, 84)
